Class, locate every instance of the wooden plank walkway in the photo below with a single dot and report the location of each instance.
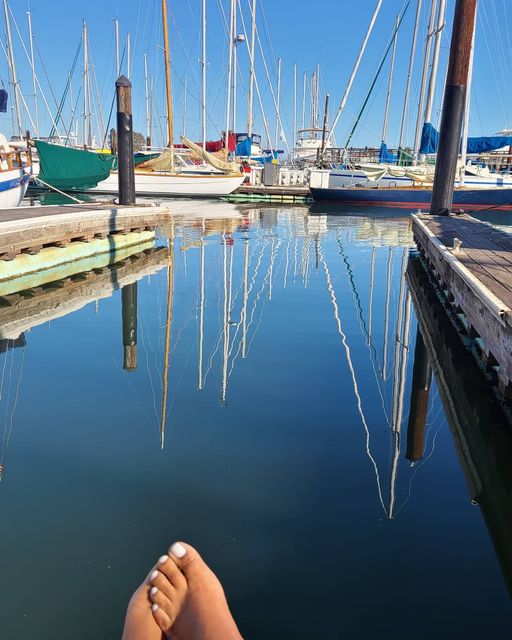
(473, 262)
(29, 229)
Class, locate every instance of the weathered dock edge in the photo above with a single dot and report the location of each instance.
(487, 315)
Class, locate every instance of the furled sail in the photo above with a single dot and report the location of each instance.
(213, 159)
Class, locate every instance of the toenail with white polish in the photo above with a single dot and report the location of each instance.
(154, 607)
(178, 550)
(163, 559)
(153, 591)
(154, 575)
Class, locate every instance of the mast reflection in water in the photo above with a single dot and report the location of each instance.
(258, 384)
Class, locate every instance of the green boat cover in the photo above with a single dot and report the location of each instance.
(67, 168)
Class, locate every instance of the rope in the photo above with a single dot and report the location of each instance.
(62, 193)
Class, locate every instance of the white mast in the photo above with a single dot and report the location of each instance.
(409, 74)
(185, 106)
(390, 82)
(203, 64)
(353, 74)
(246, 297)
(250, 117)
(146, 86)
(201, 316)
(317, 95)
(465, 128)
(304, 82)
(13, 71)
(230, 71)
(235, 63)
(116, 28)
(426, 61)
(86, 83)
(34, 83)
(128, 56)
(278, 120)
(294, 106)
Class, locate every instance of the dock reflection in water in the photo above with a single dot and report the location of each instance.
(253, 394)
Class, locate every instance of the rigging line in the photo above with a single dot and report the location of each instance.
(352, 373)
(112, 106)
(8, 396)
(491, 61)
(256, 300)
(65, 94)
(3, 375)
(18, 85)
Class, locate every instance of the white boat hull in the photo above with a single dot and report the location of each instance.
(13, 186)
(166, 184)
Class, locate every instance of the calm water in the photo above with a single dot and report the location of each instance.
(282, 455)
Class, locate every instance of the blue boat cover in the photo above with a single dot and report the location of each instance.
(243, 148)
(385, 156)
(430, 141)
(3, 101)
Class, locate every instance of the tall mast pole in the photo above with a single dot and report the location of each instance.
(203, 63)
(13, 71)
(128, 56)
(294, 106)
(185, 106)
(167, 78)
(304, 82)
(230, 71)
(409, 75)
(233, 115)
(34, 83)
(250, 116)
(146, 86)
(116, 28)
(424, 75)
(465, 129)
(317, 96)
(86, 74)
(354, 71)
(390, 82)
(278, 101)
(453, 106)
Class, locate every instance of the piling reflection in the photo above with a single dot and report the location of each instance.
(480, 424)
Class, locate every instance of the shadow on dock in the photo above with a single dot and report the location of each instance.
(480, 424)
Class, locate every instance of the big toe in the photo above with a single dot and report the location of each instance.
(190, 562)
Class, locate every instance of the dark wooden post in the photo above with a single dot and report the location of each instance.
(113, 142)
(420, 391)
(453, 107)
(129, 314)
(125, 165)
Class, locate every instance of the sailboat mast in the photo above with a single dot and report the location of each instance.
(13, 71)
(146, 86)
(128, 56)
(116, 29)
(246, 297)
(317, 96)
(201, 317)
(230, 71)
(167, 78)
(235, 64)
(34, 83)
(304, 82)
(168, 322)
(278, 101)
(86, 79)
(185, 106)
(354, 71)
(465, 126)
(294, 105)
(250, 117)
(409, 74)
(203, 64)
(426, 62)
(390, 82)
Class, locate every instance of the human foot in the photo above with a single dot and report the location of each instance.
(140, 623)
(188, 599)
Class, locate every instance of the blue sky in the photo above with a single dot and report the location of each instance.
(327, 32)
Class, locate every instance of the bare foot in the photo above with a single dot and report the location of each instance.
(189, 602)
(140, 623)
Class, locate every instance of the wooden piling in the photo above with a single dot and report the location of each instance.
(129, 315)
(453, 107)
(420, 392)
(125, 164)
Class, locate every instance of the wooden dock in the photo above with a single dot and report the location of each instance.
(30, 229)
(472, 261)
(262, 193)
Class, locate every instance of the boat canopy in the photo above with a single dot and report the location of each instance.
(385, 155)
(430, 141)
(68, 168)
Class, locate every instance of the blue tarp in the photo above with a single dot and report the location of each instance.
(243, 148)
(385, 156)
(430, 141)
(3, 101)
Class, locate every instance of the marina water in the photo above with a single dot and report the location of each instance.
(280, 455)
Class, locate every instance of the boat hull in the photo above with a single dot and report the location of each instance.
(416, 198)
(13, 186)
(162, 184)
